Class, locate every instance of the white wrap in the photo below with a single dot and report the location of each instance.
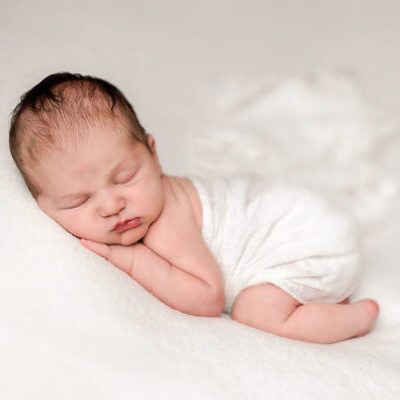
(282, 234)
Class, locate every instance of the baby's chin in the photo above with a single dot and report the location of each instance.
(130, 237)
(129, 242)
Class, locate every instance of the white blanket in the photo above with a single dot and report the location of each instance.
(74, 327)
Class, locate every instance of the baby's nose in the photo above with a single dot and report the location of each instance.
(111, 205)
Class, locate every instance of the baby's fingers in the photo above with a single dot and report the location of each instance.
(100, 249)
(118, 255)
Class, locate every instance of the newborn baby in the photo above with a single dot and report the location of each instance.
(277, 258)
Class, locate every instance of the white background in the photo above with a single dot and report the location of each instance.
(163, 52)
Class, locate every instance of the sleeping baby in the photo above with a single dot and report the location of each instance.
(275, 257)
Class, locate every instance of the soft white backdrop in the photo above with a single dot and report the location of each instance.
(73, 327)
(163, 52)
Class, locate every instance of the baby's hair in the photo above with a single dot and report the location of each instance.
(59, 110)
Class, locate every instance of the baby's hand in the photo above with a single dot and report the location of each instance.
(120, 256)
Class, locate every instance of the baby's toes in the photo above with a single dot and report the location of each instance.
(372, 307)
(369, 310)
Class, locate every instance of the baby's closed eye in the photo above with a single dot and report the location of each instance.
(125, 178)
(121, 179)
(76, 203)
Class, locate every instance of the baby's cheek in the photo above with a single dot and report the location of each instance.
(149, 204)
(77, 225)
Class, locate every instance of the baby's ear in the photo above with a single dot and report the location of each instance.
(152, 144)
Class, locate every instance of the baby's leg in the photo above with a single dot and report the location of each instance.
(271, 309)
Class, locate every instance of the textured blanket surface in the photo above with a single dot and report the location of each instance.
(74, 327)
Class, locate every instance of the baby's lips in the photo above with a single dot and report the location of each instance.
(127, 224)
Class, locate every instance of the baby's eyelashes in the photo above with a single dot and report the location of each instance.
(76, 204)
(125, 179)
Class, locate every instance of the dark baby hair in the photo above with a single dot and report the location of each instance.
(58, 110)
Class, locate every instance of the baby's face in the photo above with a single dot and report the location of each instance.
(108, 180)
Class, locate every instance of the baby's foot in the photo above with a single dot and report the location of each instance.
(369, 310)
(371, 306)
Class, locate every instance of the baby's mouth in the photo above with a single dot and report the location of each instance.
(127, 224)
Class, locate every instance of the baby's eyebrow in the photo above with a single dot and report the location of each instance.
(80, 194)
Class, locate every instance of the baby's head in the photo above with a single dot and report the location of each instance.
(86, 159)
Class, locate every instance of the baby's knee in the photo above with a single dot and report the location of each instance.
(264, 307)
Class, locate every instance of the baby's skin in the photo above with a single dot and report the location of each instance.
(91, 191)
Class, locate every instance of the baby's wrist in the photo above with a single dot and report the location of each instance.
(138, 250)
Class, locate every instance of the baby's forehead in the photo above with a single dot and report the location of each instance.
(45, 137)
(104, 144)
(73, 166)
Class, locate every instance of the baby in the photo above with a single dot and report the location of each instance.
(200, 247)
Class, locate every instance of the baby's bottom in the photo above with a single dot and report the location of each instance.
(271, 309)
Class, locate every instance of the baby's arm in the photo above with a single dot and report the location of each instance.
(175, 286)
(177, 238)
(171, 285)
(174, 263)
